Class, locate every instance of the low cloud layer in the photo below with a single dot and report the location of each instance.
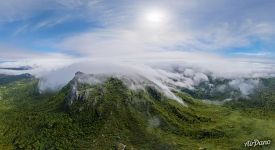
(167, 70)
(245, 86)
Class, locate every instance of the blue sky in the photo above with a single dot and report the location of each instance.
(227, 38)
(80, 28)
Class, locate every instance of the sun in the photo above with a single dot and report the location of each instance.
(155, 16)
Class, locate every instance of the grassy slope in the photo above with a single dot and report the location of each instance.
(113, 115)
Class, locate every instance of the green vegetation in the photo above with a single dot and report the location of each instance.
(263, 98)
(110, 116)
(5, 79)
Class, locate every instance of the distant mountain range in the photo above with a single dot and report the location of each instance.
(17, 68)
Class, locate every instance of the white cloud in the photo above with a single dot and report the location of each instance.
(41, 62)
(139, 44)
(246, 87)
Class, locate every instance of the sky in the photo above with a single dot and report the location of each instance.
(148, 38)
(221, 36)
(80, 27)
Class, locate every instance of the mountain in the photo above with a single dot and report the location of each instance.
(5, 79)
(103, 112)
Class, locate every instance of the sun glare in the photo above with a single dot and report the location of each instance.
(155, 16)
